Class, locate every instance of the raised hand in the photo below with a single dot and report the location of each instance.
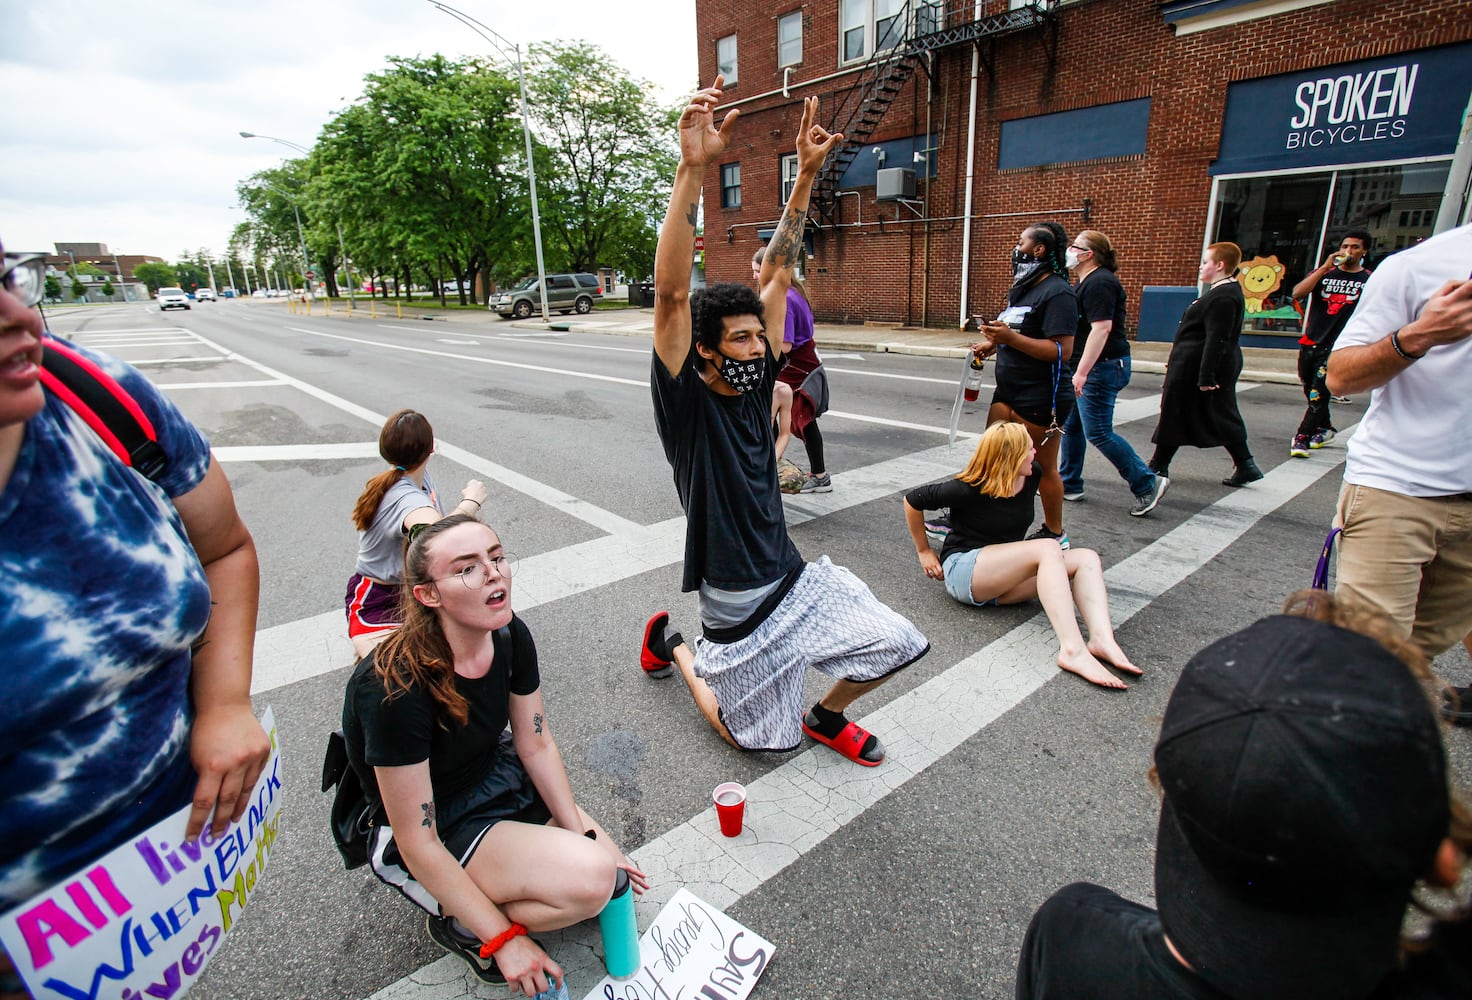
(814, 142)
(700, 141)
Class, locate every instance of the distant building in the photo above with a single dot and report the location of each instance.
(117, 268)
(1167, 124)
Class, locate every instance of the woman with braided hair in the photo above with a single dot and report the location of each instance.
(1033, 339)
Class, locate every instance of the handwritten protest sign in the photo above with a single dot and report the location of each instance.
(144, 920)
(692, 951)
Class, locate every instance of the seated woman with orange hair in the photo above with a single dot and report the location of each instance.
(986, 559)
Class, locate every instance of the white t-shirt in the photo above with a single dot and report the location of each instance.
(1411, 440)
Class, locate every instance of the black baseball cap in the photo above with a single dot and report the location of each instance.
(1305, 792)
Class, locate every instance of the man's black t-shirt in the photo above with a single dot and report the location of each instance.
(1331, 303)
(722, 453)
(977, 519)
(409, 728)
(1101, 296)
(1087, 943)
(1044, 310)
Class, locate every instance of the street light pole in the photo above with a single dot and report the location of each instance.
(531, 173)
(341, 247)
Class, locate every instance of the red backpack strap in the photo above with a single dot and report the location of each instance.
(105, 405)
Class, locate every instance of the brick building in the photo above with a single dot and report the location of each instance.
(1276, 124)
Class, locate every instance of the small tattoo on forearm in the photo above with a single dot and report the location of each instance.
(694, 214)
(428, 808)
(537, 723)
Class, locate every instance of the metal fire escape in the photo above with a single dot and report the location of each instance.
(905, 39)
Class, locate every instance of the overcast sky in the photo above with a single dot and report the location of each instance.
(119, 124)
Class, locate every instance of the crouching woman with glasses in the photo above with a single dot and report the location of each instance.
(482, 816)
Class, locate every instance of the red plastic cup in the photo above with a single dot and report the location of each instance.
(730, 800)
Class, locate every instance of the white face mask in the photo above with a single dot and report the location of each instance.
(1070, 257)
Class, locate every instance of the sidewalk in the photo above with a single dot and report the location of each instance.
(1260, 364)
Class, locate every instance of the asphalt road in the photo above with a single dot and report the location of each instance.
(1006, 779)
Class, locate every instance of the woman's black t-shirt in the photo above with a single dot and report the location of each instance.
(1101, 296)
(409, 728)
(1043, 311)
(979, 520)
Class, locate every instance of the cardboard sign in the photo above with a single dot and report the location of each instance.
(692, 951)
(144, 920)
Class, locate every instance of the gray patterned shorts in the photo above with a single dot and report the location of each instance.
(830, 621)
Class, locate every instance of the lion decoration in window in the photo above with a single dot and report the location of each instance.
(1260, 277)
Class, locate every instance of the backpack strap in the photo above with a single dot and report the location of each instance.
(105, 405)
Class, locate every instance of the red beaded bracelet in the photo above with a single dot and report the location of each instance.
(494, 944)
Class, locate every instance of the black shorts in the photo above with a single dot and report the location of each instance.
(505, 792)
(1032, 403)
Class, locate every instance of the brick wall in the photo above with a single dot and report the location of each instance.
(1153, 207)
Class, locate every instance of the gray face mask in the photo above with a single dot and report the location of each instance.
(743, 376)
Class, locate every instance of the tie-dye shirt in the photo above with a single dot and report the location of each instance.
(102, 598)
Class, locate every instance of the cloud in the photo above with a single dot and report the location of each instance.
(128, 133)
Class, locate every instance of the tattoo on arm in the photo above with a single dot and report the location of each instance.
(428, 808)
(692, 215)
(785, 241)
(537, 723)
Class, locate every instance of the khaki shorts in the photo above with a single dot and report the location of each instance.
(1411, 556)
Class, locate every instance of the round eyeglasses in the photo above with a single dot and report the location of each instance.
(478, 574)
(24, 276)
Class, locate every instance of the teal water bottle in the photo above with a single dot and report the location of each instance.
(620, 931)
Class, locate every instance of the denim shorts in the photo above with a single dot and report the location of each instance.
(959, 567)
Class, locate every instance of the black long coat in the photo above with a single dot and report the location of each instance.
(1206, 351)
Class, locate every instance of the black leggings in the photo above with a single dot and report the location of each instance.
(812, 440)
(1160, 461)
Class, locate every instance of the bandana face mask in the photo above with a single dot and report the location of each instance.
(1024, 267)
(743, 376)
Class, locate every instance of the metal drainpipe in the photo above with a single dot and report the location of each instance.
(970, 174)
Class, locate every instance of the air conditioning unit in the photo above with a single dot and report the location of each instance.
(894, 183)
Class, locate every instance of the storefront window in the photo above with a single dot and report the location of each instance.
(1280, 223)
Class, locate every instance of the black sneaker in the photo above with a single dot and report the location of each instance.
(939, 526)
(1043, 532)
(1456, 705)
(464, 948)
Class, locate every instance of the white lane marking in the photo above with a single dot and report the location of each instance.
(140, 362)
(470, 357)
(137, 329)
(447, 340)
(245, 384)
(906, 378)
(845, 357)
(541, 338)
(887, 422)
(796, 806)
(296, 452)
(541, 492)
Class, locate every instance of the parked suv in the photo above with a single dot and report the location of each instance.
(565, 293)
(172, 298)
(204, 295)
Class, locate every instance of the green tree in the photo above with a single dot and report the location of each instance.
(53, 288)
(423, 172)
(190, 275)
(611, 157)
(79, 287)
(108, 289)
(155, 275)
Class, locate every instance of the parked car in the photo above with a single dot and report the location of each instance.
(565, 293)
(172, 298)
(204, 295)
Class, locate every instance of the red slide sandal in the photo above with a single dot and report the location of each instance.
(849, 743)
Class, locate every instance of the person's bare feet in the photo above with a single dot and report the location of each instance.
(1110, 653)
(1090, 669)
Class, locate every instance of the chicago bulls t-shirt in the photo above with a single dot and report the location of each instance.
(1330, 305)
